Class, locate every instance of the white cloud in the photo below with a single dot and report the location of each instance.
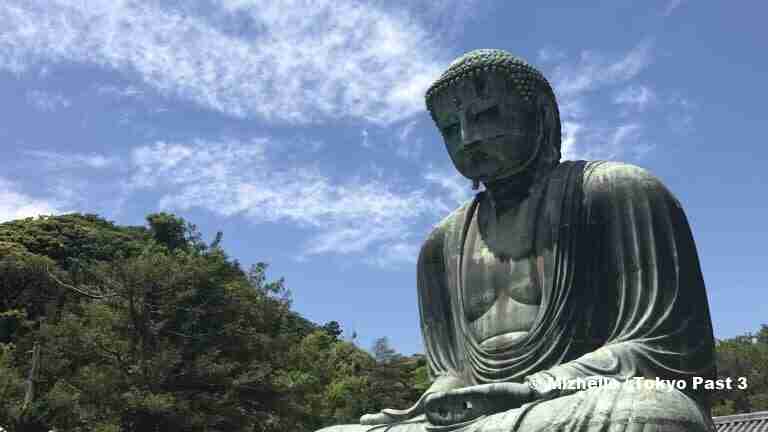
(603, 142)
(547, 55)
(637, 97)
(579, 85)
(570, 131)
(406, 131)
(594, 70)
(126, 92)
(456, 187)
(285, 61)
(233, 178)
(624, 133)
(47, 101)
(408, 145)
(16, 205)
(394, 255)
(680, 117)
(345, 240)
(592, 132)
(671, 6)
(59, 161)
(373, 216)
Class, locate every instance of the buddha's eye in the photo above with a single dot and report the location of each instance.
(451, 130)
(488, 114)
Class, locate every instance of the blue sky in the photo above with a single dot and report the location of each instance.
(298, 127)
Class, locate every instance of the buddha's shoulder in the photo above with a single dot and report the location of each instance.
(607, 178)
(448, 225)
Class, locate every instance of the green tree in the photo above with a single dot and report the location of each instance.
(168, 230)
(110, 328)
(383, 352)
(184, 342)
(743, 357)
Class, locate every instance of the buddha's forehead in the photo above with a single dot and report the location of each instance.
(488, 87)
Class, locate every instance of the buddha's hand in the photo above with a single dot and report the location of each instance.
(389, 416)
(377, 419)
(442, 383)
(457, 406)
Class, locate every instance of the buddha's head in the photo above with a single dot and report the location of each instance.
(497, 114)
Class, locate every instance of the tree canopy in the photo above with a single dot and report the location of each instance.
(110, 328)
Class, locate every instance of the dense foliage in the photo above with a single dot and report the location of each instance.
(107, 328)
(112, 328)
(743, 357)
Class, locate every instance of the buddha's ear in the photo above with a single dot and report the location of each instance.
(541, 127)
(546, 132)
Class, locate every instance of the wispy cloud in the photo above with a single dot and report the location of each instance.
(364, 135)
(47, 101)
(680, 117)
(568, 146)
(549, 54)
(15, 204)
(610, 142)
(635, 97)
(591, 129)
(594, 70)
(394, 255)
(239, 179)
(372, 216)
(405, 132)
(578, 86)
(77, 181)
(448, 19)
(671, 6)
(60, 161)
(455, 187)
(125, 92)
(408, 146)
(280, 61)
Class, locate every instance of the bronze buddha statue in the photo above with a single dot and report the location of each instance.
(556, 274)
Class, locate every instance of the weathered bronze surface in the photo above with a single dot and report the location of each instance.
(556, 274)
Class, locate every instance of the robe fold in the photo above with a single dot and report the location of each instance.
(623, 294)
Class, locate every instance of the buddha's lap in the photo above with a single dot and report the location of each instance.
(634, 406)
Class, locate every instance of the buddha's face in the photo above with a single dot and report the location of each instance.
(489, 131)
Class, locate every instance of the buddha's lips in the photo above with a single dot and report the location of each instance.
(480, 142)
(478, 156)
(476, 148)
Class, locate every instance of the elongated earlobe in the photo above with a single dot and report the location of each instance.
(545, 144)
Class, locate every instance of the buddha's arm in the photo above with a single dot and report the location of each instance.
(437, 327)
(652, 303)
(435, 308)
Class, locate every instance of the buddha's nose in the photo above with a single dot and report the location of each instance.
(470, 138)
(470, 145)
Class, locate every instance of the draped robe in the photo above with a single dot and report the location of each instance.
(622, 297)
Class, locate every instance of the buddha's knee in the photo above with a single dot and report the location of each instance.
(636, 405)
(344, 428)
(663, 405)
(416, 426)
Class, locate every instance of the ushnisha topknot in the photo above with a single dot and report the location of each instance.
(523, 76)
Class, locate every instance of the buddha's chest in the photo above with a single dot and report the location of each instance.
(490, 280)
(501, 281)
